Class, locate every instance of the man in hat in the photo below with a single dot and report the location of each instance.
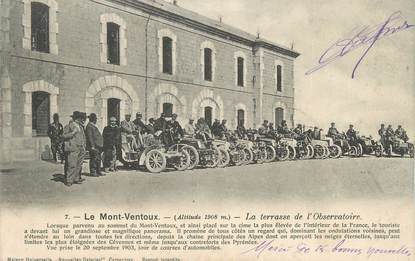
(401, 133)
(316, 134)
(174, 131)
(160, 124)
(216, 128)
(382, 134)
(333, 132)
(127, 133)
(74, 137)
(298, 130)
(264, 129)
(283, 128)
(223, 129)
(55, 132)
(95, 145)
(112, 139)
(351, 133)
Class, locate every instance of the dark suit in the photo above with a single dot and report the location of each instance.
(94, 144)
(112, 139)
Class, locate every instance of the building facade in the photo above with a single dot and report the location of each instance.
(117, 57)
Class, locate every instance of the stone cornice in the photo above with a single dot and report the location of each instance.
(223, 32)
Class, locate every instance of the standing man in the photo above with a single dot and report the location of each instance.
(112, 139)
(401, 133)
(55, 132)
(241, 131)
(223, 130)
(382, 134)
(75, 142)
(160, 124)
(216, 128)
(175, 129)
(94, 144)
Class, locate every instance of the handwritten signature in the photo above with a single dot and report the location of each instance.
(368, 35)
(342, 247)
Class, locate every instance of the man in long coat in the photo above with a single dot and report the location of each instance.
(95, 144)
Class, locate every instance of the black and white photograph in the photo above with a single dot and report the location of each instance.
(207, 130)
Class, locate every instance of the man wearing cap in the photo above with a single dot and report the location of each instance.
(74, 137)
(401, 133)
(264, 129)
(333, 132)
(127, 130)
(190, 128)
(351, 133)
(174, 131)
(160, 124)
(298, 130)
(112, 139)
(216, 128)
(94, 144)
(55, 132)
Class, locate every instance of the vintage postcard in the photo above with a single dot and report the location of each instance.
(150, 130)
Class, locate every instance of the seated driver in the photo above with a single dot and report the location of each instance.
(401, 133)
(127, 133)
(351, 133)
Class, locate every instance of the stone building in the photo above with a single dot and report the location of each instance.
(117, 57)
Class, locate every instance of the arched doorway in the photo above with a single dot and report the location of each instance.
(208, 114)
(279, 116)
(113, 109)
(40, 113)
(240, 118)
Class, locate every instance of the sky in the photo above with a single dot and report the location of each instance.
(382, 90)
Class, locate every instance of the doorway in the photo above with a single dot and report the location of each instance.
(40, 113)
(240, 118)
(208, 115)
(113, 107)
(168, 109)
(279, 116)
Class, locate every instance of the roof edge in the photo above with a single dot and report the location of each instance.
(220, 32)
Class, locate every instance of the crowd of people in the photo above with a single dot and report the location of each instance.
(70, 143)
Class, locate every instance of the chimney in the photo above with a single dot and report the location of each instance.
(175, 2)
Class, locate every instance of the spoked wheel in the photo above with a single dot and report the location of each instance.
(379, 151)
(271, 153)
(353, 151)
(359, 148)
(319, 151)
(326, 152)
(248, 156)
(335, 151)
(293, 153)
(261, 155)
(411, 151)
(310, 152)
(283, 153)
(182, 162)
(224, 158)
(194, 156)
(155, 161)
(214, 158)
(238, 157)
(302, 153)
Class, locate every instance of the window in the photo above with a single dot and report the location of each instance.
(208, 115)
(241, 118)
(279, 116)
(208, 64)
(279, 77)
(113, 43)
(40, 113)
(240, 71)
(168, 109)
(167, 55)
(40, 27)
